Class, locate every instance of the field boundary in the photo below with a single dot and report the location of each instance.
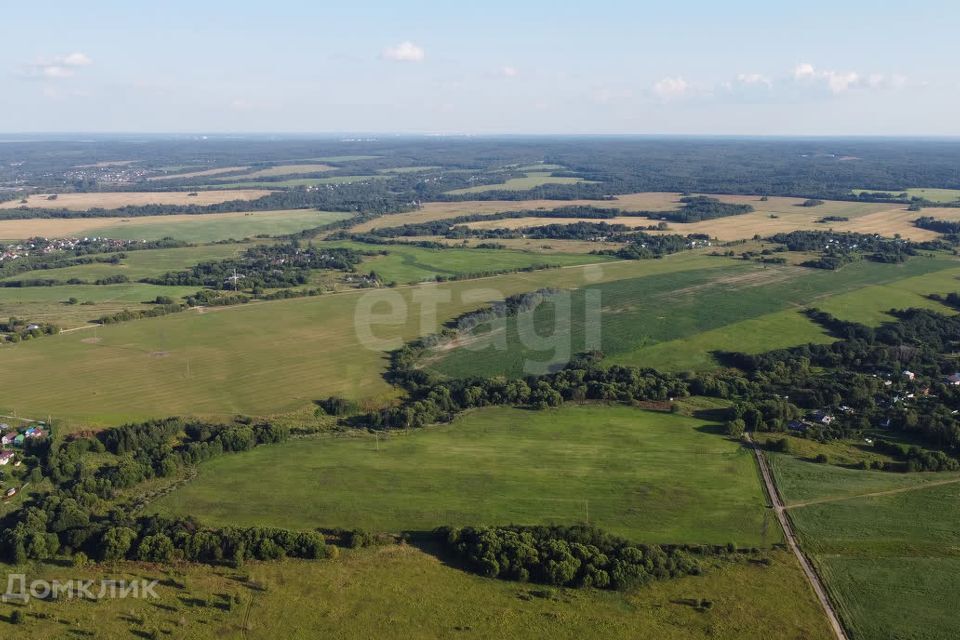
(805, 564)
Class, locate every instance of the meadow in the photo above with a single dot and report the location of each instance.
(50, 304)
(286, 170)
(141, 264)
(241, 183)
(674, 321)
(648, 476)
(404, 592)
(409, 264)
(933, 195)
(531, 180)
(209, 227)
(173, 172)
(890, 561)
(116, 199)
(261, 358)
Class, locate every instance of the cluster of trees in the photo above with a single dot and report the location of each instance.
(570, 556)
(837, 249)
(262, 267)
(432, 400)
(151, 312)
(930, 223)
(697, 208)
(17, 329)
(82, 514)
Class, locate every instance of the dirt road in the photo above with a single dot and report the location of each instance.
(791, 538)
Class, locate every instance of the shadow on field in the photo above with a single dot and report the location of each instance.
(429, 542)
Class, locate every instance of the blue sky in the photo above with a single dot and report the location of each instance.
(738, 67)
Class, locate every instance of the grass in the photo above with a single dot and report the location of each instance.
(195, 174)
(210, 227)
(733, 305)
(286, 170)
(141, 264)
(933, 195)
(402, 592)
(260, 358)
(406, 264)
(890, 561)
(531, 180)
(293, 182)
(651, 477)
(116, 199)
(48, 304)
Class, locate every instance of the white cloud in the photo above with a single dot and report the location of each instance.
(404, 52)
(840, 82)
(509, 72)
(804, 71)
(56, 67)
(753, 78)
(670, 88)
(76, 59)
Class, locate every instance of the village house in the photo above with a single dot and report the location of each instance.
(909, 375)
(6, 457)
(954, 379)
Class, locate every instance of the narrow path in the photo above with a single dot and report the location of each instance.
(888, 492)
(791, 538)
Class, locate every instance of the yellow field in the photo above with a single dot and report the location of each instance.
(285, 170)
(64, 227)
(199, 174)
(114, 200)
(652, 201)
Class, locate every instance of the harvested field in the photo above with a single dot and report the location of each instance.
(117, 199)
(199, 174)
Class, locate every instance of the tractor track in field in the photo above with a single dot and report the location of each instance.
(873, 494)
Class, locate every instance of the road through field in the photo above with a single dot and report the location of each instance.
(791, 538)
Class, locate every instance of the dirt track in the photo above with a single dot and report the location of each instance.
(791, 538)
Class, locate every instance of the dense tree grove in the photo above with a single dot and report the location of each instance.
(575, 556)
(82, 513)
(698, 208)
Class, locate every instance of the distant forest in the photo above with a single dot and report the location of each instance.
(814, 168)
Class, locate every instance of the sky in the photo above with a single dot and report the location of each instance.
(844, 67)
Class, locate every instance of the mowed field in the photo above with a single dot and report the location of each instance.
(260, 358)
(241, 183)
(208, 227)
(648, 476)
(409, 264)
(286, 170)
(531, 180)
(674, 321)
(886, 545)
(649, 201)
(49, 304)
(117, 199)
(199, 174)
(141, 264)
(404, 593)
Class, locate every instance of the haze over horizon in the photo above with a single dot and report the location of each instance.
(746, 68)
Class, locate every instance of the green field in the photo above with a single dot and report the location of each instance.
(260, 358)
(212, 228)
(532, 180)
(651, 477)
(49, 304)
(933, 195)
(401, 592)
(891, 562)
(141, 264)
(293, 182)
(407, 264)
(673, 321)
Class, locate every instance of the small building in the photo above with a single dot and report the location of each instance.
(954, 379)
(797, 425)
(909, 375)
(12, 491)
(18, 440)
(7, 439)
(4, 426)
(5, 457)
